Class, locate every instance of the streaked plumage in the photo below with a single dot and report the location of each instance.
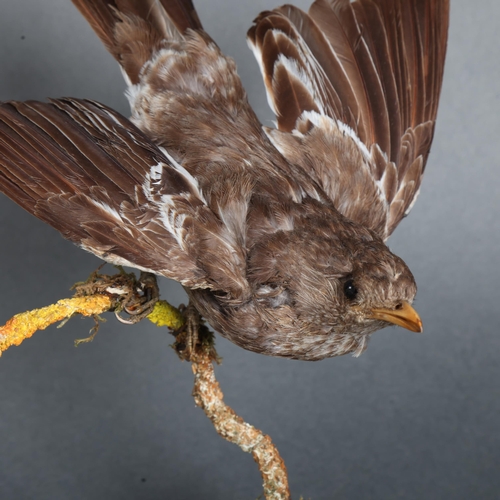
(277, 234)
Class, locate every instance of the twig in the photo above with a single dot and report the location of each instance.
(24, 325)
(208, 396)
(207, 393)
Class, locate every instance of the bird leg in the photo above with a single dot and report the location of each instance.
(186, 337)
(194, 336)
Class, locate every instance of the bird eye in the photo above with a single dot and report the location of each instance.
(350, 291)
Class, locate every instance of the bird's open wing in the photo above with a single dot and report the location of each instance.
(92, 175)
(355, 88)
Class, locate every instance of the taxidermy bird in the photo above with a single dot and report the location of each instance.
(277, 234)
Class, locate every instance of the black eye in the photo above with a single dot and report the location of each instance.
(350, 291)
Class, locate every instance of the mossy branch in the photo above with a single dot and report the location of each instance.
(101, 293)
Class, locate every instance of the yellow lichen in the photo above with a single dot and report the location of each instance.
(24, 325)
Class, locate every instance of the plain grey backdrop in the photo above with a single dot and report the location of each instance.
(416, 416)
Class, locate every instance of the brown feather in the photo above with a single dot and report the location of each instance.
(77, 166)
(292, 98)
(335, 98)
(380, 72)
(183, 14)
(134, 30)
(339, 26)
(369, 14)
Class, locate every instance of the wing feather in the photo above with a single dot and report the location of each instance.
(91, 174)
(374, 68)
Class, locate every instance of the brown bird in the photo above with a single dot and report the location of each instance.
(276, 234)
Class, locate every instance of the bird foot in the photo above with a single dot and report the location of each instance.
(194, 336)
(136, 297)
(143, 299)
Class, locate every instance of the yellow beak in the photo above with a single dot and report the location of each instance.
(404, 316)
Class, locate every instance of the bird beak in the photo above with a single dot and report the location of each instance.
(404, 316)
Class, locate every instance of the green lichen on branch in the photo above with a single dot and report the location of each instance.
(164, 314)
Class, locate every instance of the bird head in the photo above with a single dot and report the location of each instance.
(320, 292)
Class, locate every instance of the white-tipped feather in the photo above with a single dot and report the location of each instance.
(187, 176)
(108, 209)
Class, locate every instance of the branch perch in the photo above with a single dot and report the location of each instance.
(103, 293)
(24, 325)
(208, 396)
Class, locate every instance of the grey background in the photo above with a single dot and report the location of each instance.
(417, 416)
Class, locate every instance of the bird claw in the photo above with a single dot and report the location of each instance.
(136, 297)
(140, 302)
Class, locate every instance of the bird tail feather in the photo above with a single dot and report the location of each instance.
(133, 30)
